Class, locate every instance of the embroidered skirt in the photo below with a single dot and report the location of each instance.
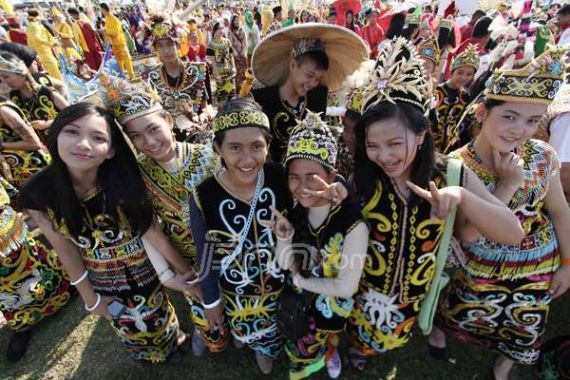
(505, 316)
(33, 285)
(378, 323)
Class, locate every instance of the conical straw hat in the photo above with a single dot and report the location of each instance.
(344, 48)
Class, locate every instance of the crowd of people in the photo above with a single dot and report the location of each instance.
(359, 172)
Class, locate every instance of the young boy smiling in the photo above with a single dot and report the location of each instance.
(453, 98)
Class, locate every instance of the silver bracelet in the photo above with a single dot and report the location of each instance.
(97, 302)
(165, 275)
(83, 277)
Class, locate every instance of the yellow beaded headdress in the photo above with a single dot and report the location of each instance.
(354, 86)
(313, 140)
(468, 57)
(126, 101)
(398, 76)
(17, 66)
(429, 48)
(538, 82)
(240, 119)
(161, 29)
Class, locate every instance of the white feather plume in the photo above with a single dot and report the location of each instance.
(160, 7)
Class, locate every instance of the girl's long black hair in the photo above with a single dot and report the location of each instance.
(426, 163)
(119, 177)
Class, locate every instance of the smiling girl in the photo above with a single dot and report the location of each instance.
(241, 279)
(332, 241)
(396, 161)
(501, 296)
(242, 284)
(170, 169)
(91, 205)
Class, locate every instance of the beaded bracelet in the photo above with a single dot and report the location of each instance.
(97, 302)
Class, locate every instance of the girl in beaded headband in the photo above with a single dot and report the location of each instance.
(245, 187)
(453, 98)
(324, 236)
(40, 104)
(524, 174)
(171, 171)
(234, 246)
(395, 162)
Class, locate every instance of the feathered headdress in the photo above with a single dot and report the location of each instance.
(398, 76)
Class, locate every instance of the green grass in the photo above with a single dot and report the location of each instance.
(73, 345)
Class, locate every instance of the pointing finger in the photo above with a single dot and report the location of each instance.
(266, 223)
(419, 191)
(276, 212)
(434, 191)
(325, 184)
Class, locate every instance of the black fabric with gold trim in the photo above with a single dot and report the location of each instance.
(119, 267)
(283, 117)
(23, 163)
(191, 89)
(399, 268)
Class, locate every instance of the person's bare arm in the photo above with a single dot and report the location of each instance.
(565, 179)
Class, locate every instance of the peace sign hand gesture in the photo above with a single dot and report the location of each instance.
(442, 201)
(334, 192)
(281, 226)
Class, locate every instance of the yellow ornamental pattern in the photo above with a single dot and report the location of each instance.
(308, 146)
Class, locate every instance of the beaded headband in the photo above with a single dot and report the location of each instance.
(17, 67)
(313, 140)
(538, 82)
(306, 45)
(240, 119)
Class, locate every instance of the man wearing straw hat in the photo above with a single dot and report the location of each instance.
(299, 65)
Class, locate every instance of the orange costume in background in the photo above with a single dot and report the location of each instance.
(42, 42)
(114, 33)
